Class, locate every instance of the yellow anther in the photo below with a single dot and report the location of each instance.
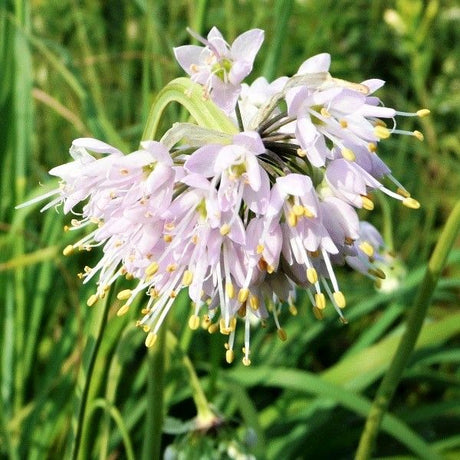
(205, 322)
(282, 334)
(66, 228)
(173, 294)
(243, 295)
(124, 171)
(92, 300)
(343, 320)
(307, 213)
(212, 329)
(382, 132)
(418, 135)
(343, 123)
(229, 356)
(367, 203)
(312, 275)
(403, 192)
(423, 112)
(372, 147)
(348, 154)
(339, 299)
(129, 276)
(348, 240)
(124, 295)
(318, 313)
(254, 302)
(314, 253)
(292, 219)
(194, 322)
(293, 310)
(411, 203)
(324, 112)
(233, 323)
(225, 229)
(377, 272)
(320, 301)
(68, 250)
(145, 311)
(260, 248)
(171, 268)
(270, 269)
(187, 278)
(242, 311)
(123, 310)
(150, 339)
(367, 248)
(297, 209)
(167, 238)
(246, 361)
(146, 328)
(152, 269)
(230, 290)
(302, 153)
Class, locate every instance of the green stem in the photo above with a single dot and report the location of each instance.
(406, 345)
(205, 416)
(283, 9)
(151, 449)
(190, 96)
(86, 372)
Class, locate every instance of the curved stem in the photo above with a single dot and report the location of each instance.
(408, 340)
(190, 96)
(205, 416)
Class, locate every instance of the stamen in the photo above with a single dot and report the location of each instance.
(382, 132)
(152, 269)
(282, 334)
(124, 295)
(92, 300)
(150, 340)
(123, 310)
(68, 250)
(320, 301)
(194, 322)
(411, 203)
(367, 203)
(339, 299)
(367, 248)
(312, 275)
(348, 154)
(243, 295)
(229, 356)
(187, 278)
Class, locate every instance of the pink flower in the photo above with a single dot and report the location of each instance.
(219, 67)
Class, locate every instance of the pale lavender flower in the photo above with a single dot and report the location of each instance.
(219, 67)
(243, 221)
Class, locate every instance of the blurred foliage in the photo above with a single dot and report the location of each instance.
(82, 68)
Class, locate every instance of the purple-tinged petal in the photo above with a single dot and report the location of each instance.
(247, 45)
(203, 160)
(319, 63)
(94, 145)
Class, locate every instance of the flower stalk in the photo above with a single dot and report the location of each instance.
(415, 321)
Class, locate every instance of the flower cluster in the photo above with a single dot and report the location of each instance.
(240, 220)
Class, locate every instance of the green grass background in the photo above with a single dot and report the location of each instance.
(92, 68)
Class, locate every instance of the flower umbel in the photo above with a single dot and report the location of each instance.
(241, 221)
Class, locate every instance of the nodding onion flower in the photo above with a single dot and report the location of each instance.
(241, 221)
